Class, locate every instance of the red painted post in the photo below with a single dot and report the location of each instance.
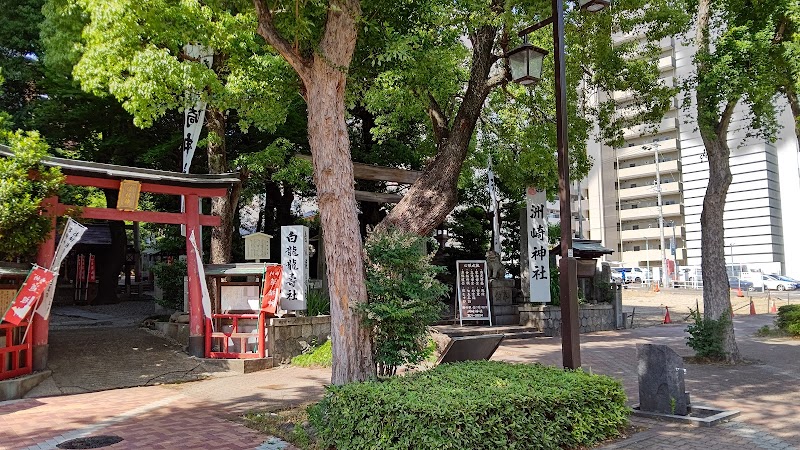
(196, 316)
(44, 257)
(262, 351)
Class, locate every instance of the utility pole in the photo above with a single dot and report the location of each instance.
(647, 252)
(664, 277)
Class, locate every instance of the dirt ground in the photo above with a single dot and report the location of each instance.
(650, 307)
(94, 348)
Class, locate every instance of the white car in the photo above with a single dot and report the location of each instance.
(772, 282)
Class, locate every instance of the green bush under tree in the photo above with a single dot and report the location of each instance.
(170, 279)
(404, 297)
(789, 319)
(473, 405)
(706, 335)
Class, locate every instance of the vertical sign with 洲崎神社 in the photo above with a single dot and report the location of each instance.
(472, 288)
(538, 250)
(294, 259)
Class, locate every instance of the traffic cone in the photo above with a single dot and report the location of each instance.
(773, 309)
(752, 308)
(666, 316)
(739, 292)
(655, 288)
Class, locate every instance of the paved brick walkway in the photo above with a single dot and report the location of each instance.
(766, 391)
(205, 414)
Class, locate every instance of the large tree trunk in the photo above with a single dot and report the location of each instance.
(324, 77)
(224, 207)
(428, 202)
(713, 126)
(716, 289)
(794, 104)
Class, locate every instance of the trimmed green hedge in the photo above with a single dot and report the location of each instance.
(789, 319)
(473, 405)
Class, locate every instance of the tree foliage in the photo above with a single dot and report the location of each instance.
(22, 226)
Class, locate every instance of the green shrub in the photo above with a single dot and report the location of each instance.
(706, 335)
(473, 405)
(789, 319)
(403, 297)
(317, 303)
(321, 356)
(170, 279)
(22, 225)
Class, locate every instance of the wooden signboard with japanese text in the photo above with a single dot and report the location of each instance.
(472, 289)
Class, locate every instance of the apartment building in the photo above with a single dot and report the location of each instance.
(667, 161)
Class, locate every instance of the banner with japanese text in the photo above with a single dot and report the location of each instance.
(294, 259)
(72, 234)
(271, 295)
(538, 246)
(33, 288)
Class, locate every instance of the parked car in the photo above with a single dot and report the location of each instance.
(736, 283)
(616, 276)
(773, 282)
(634, 274)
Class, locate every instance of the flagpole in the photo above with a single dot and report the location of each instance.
(495, 205)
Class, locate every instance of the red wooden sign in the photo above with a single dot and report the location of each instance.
(91, 275)
(28, 294)
(80, 274)
(272, 289)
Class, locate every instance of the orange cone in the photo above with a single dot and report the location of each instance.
(655, 288)
(666, 316)
(773, 309)
(752, 308)
(739, 292)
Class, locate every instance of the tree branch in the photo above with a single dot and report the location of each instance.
(267, 30)
(438, 119)
(725, 119)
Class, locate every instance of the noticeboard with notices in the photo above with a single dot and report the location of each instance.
(472, 289)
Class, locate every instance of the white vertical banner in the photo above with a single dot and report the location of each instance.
(201, 274)
(494, 205)
(73, 232)
(194, 116)
(538, 246)
(294, 258)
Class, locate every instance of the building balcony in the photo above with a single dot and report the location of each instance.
(624, 96)
(652, 234)
(648, 130)
(648, 191)
(638, 151)
(653, 255)
(648, 170)
(666, 63)
(650, 212)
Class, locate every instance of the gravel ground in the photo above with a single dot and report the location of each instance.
(650, 306)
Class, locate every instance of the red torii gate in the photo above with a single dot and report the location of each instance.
(109, 176)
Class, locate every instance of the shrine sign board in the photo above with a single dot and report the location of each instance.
(256, 247)
(538, 245)
(294, 259)
(129, 191)
(472, 290)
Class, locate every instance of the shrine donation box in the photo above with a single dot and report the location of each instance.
(246, 294)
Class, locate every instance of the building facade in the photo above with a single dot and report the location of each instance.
(660, 174)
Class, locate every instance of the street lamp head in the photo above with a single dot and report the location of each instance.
(526, 64)
(594, 5)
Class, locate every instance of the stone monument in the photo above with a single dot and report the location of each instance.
(661, 380)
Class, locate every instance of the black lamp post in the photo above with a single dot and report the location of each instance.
(527, 75)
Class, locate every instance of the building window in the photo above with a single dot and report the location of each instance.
(636, 248)
(633, 185)
(632, 165)
(634, 206)
(635, 227)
